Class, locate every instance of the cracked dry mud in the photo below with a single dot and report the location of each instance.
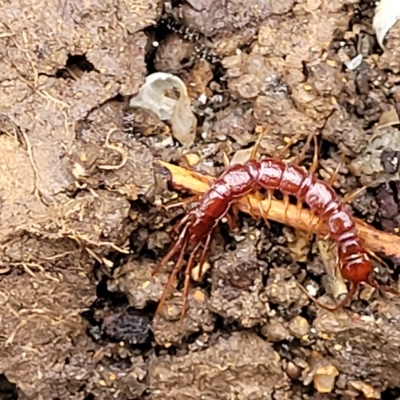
(81, 229)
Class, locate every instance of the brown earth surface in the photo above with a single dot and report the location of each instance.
(81, 227)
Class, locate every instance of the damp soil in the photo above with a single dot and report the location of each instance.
(81, 227)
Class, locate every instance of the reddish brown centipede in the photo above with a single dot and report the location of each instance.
(196, 228)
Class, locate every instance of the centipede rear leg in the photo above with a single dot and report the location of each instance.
(173, 275)
(179, 242)
(186, 286)
(188, 270)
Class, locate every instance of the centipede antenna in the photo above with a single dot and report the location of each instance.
(188, 271)
(190, 199)
(349, 295)
(382, 288)
(175, 247)
(172, 276)
(180, 223)
(375, 284)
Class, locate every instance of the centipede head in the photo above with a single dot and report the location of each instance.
(357, 269)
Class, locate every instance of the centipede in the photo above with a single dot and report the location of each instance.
(195, 230)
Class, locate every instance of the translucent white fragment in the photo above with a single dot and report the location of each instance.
(387, 13)
(157, 95)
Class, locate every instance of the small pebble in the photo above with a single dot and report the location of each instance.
(275, 331)
(196, 271)
(299, 327)
(199, 296)
(293, 371)
(368, 391)
(324, 379)
(192, 159)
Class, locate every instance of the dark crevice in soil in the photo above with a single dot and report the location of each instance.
(391, 394)
(113, 320)
(8, 390)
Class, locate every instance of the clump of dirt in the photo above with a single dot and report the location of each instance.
(65, 185)
(254, 371)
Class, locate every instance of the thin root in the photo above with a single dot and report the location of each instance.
(380, 242)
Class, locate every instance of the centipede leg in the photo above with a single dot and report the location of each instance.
(253, 154)
(250, 208)
(335, 174)
(269, 203)
(263, 213)
(225, 158)
(305, 147)
(231, 222)
(172, 276)
(314, 164)
(282, 152)
(348, 198)
(286, 204)
(314, 225)
(232, 217)
(299, 208)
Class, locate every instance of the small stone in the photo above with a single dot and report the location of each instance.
(192, 159)
(324, 379)
(293, 371)
(112, 377)
(299, 327)
(145, 284)
(368, 391)
(274, 331)
(199, 296)
(196, 276)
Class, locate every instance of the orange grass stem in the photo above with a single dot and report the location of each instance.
(378, 241)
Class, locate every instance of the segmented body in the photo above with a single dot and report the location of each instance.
(270, 174)
(291, 180)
